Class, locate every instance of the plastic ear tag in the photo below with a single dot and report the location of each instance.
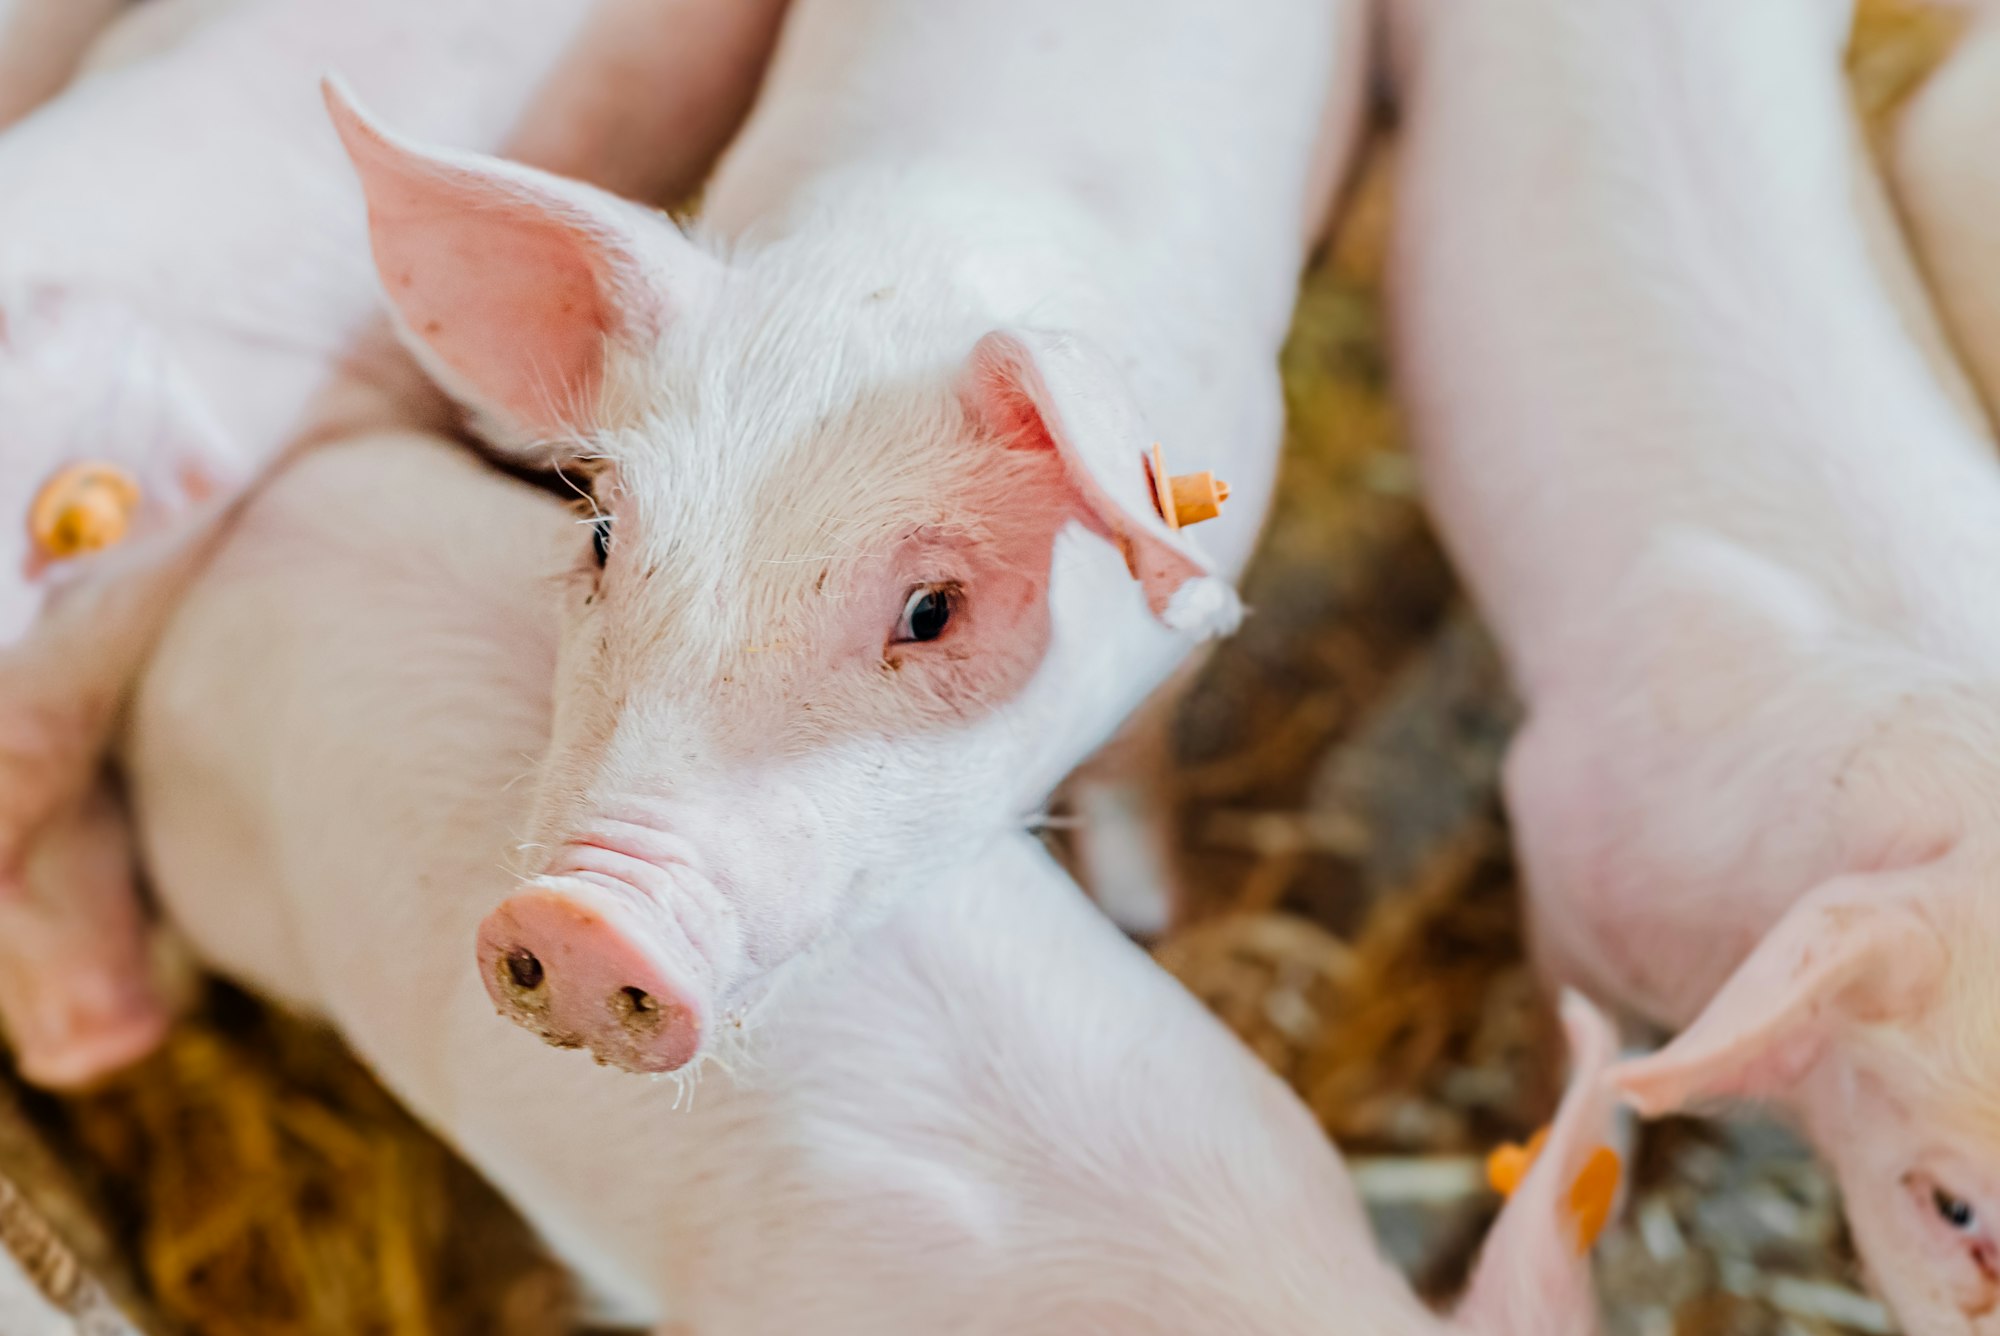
(84, 508)
(1184, 498)
(1508, 1166)
(1591, 1195)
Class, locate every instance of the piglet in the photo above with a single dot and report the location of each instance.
(1734, 536)
(987, 1112)
(180, 283)
(878, 551)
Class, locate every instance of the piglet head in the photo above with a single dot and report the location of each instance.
(817, 642)
(1872, 1011)
(106, 440)
(1533, 1277)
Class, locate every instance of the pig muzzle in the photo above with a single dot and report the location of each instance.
(569, 961)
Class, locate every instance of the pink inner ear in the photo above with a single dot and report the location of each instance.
(1042, 393)
(1009, 412)
(508, 298)
(506, 280)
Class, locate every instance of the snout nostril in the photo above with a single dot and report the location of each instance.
(524, 969)
(636, 1009)
(566, 965)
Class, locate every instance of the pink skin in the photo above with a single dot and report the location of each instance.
(572, 963)
(105, 1012)
(1949, 187)
(918, 349)
(194, 337)
(987, 1114)
(1735, 534)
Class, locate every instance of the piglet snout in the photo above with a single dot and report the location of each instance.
(564, 963)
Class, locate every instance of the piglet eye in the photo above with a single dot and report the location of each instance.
(600, 539)
(1954, 1211)
(927, 612)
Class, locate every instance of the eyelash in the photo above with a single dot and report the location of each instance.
(1949, 1205)
(924, 605)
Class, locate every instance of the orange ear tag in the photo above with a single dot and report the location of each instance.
(1590, 1196)
(84, 508)
(1185, 498)
(1508, 1166)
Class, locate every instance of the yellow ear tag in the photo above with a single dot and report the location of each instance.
(84, 508)
(1590, 1196)
(1184, 498)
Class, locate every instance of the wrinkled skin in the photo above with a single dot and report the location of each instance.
(1734, 532)
(987, 1112)
(182, 285)
(875, 559)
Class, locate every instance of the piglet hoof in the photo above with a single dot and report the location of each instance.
(563, 971)
(85, 1028)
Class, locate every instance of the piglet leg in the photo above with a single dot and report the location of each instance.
(77, 993)
(1947, 179)
(77, 998)
(1125, 802)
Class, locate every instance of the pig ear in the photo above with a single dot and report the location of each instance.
(1533, 1276)
(1857, 949)
(514, 286)
(1038, 391)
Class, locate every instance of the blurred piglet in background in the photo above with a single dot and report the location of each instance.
(1739, 544)
(986, 1113)
(182, 277)
(878, 553)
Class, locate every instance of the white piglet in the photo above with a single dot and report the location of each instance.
(182, 278)
(1736, 539)
(876, 557)
(988, 1113)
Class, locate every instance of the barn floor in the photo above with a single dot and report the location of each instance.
(1355, 921)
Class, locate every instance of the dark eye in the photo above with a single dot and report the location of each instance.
(600, 539)
(1954, 1211)
(926, 613)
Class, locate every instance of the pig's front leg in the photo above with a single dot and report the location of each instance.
(1947, 178)
(41, 42)
(77, 996)
(1124, 800)
(1902, 278)
(603, 118)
